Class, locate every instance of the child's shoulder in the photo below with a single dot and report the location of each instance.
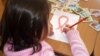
(45, 45)
(46, 49)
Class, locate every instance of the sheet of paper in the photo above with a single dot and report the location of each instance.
(95, 25)
(58, 21)
(83, 12)
(95, 12)
(74, 2)
(59, 5)
(87, 14)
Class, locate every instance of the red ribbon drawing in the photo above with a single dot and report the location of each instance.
(59, 22)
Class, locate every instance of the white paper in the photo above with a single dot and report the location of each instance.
(74, 2)
(58, 34)
(95, 25)
(95, 12)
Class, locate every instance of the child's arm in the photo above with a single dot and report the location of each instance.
(77, 45)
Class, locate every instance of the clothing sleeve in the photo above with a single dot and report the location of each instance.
(48, 52)
(78, 47)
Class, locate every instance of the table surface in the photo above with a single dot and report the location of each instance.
(97, 45)
(1, 9)
(88, 35)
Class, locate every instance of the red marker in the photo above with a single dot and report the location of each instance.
(78, 22)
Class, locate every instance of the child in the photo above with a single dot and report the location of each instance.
(25, 26)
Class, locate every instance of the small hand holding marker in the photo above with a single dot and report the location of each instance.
(67, 28)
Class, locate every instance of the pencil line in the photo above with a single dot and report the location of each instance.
(78, 22)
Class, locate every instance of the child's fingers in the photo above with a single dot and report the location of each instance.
(66, 29)
(67, 26)
(50, 30)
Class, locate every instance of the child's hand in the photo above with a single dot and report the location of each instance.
(67, 28)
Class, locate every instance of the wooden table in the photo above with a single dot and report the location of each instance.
(1, 9)
(88, 34)
(97, 46)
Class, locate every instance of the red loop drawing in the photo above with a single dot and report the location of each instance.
(59, 21)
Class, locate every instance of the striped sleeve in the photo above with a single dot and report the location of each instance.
(77, 45)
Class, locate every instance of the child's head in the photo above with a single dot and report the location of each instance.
(25, 23)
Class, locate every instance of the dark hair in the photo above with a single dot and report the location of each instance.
(24, 22)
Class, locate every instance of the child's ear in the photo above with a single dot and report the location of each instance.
(50, 30)
(44, 34)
